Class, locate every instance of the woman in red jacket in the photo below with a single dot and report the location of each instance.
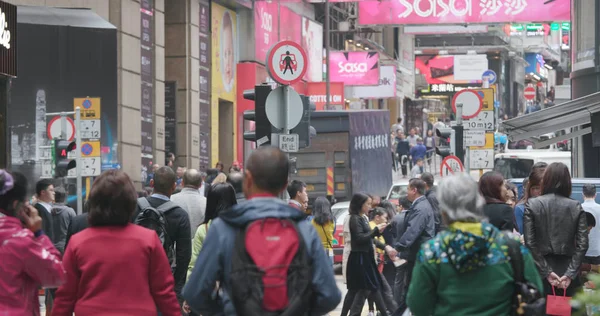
(28, 259)
(115, 267)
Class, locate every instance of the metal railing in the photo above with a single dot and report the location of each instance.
(431, 163)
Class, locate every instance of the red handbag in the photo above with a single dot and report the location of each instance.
(558, 305)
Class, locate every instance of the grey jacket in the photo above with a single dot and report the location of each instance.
(194, 204)
(61, 218)
(418, 227)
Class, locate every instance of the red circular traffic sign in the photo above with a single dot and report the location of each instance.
(451, 165)
(529, 93)
(471, 101)
(53, 128)
(287, 62)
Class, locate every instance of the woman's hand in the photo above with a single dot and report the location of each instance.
(186, 307)
(553, 279)
(565, 281)
(30, 217)
(391, 252)
(381, 226)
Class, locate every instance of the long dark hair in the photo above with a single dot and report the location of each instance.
(13, 188)
(357, 202)
(322, 211)
(490, 187)
(390, 209)
(219, 197)
(557, 180)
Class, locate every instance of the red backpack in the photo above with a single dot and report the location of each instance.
(271, 271)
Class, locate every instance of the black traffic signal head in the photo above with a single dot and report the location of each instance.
(446, 142)
(304, 130)
(62, 163)
(262, 126)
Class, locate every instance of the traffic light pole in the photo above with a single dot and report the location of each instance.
(459, 136)
(63, 135)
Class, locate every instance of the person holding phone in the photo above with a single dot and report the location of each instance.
(29, 259)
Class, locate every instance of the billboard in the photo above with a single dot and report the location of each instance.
(312, 42)
(385, 89)
(265, 28)
(224, 52)
(451, 69)
(293, 25)
(354, 68)
(317, 91)
(462, 12)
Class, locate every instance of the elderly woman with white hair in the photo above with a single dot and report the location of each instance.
(466, 269)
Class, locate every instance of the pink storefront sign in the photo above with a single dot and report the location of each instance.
(354, 68)
(265, 28)
(291, 25)
(462, 11)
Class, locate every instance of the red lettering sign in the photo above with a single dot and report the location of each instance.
(317, 91)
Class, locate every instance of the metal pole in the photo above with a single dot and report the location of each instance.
(78, 159)
(63, 125)
(459, 134)
(327, 35)
(286, 101)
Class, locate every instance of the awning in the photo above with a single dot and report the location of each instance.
(567, 115)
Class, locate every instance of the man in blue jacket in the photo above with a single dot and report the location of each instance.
(265, 176)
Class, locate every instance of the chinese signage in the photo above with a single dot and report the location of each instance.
(462, 12)
(8, 39)
(446, 88)
(265, 28)
(204, 92)
(147, 76)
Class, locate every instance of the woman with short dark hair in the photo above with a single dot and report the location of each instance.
(493, 190)
(556, 232)
(115, 267)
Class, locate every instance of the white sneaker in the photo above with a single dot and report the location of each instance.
(371, 314)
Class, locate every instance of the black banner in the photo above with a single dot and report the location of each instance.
(8, 39)
(204, 94)
(369, 142)
(170, 116)
(147, 77)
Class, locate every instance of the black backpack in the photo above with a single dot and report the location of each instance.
(271, 270)
(155, 219)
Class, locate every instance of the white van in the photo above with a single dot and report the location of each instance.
(517, 163)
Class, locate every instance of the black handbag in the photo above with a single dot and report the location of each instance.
(527, 299)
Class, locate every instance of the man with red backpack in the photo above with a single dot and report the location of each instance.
(262, 257)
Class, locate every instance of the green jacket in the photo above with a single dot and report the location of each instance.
(466, 271)
(197, 243)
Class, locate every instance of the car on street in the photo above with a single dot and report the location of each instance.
(340, 212)
(398, 190)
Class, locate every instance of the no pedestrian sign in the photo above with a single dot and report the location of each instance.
(286, 62)
(451, 165)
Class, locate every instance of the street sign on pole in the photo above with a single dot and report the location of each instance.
(474, 137)
(451, 165)
(481, 159)
(289, 143)
(278, 108)
(54, 128)
(287, 62)
(529, 93)
(471, 101)
(489, 75)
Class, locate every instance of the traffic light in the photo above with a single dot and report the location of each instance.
(60, 157)
(304, 130)
(446, 140)
(262, 127)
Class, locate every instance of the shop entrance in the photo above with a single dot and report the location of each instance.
(226, 127)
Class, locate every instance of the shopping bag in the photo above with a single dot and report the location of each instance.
(558, 305)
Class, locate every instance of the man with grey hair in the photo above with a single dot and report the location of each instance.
(190, 198)
(418, 227)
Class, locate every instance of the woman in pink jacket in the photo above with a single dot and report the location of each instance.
(29, 260)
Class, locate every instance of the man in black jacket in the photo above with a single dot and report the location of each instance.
(44, 191)
(178, 223)
(418, 227)
(431, 195)
(236, 179)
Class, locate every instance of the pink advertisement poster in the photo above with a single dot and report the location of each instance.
(462, 11)
(354, 68)
(291, 22)
(265, 28)
(312, 42)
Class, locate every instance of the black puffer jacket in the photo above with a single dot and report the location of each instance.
(555, 225)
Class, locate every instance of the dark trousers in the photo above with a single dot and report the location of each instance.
(403, 277)
(383, 299)
(355, 300)
(389, 273)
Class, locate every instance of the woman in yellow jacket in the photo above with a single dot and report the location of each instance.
(324, 224)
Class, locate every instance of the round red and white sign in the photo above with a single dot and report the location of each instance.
(471, 101)
(53, 128)
(451, 165)
(529, 93)
(287, 62)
